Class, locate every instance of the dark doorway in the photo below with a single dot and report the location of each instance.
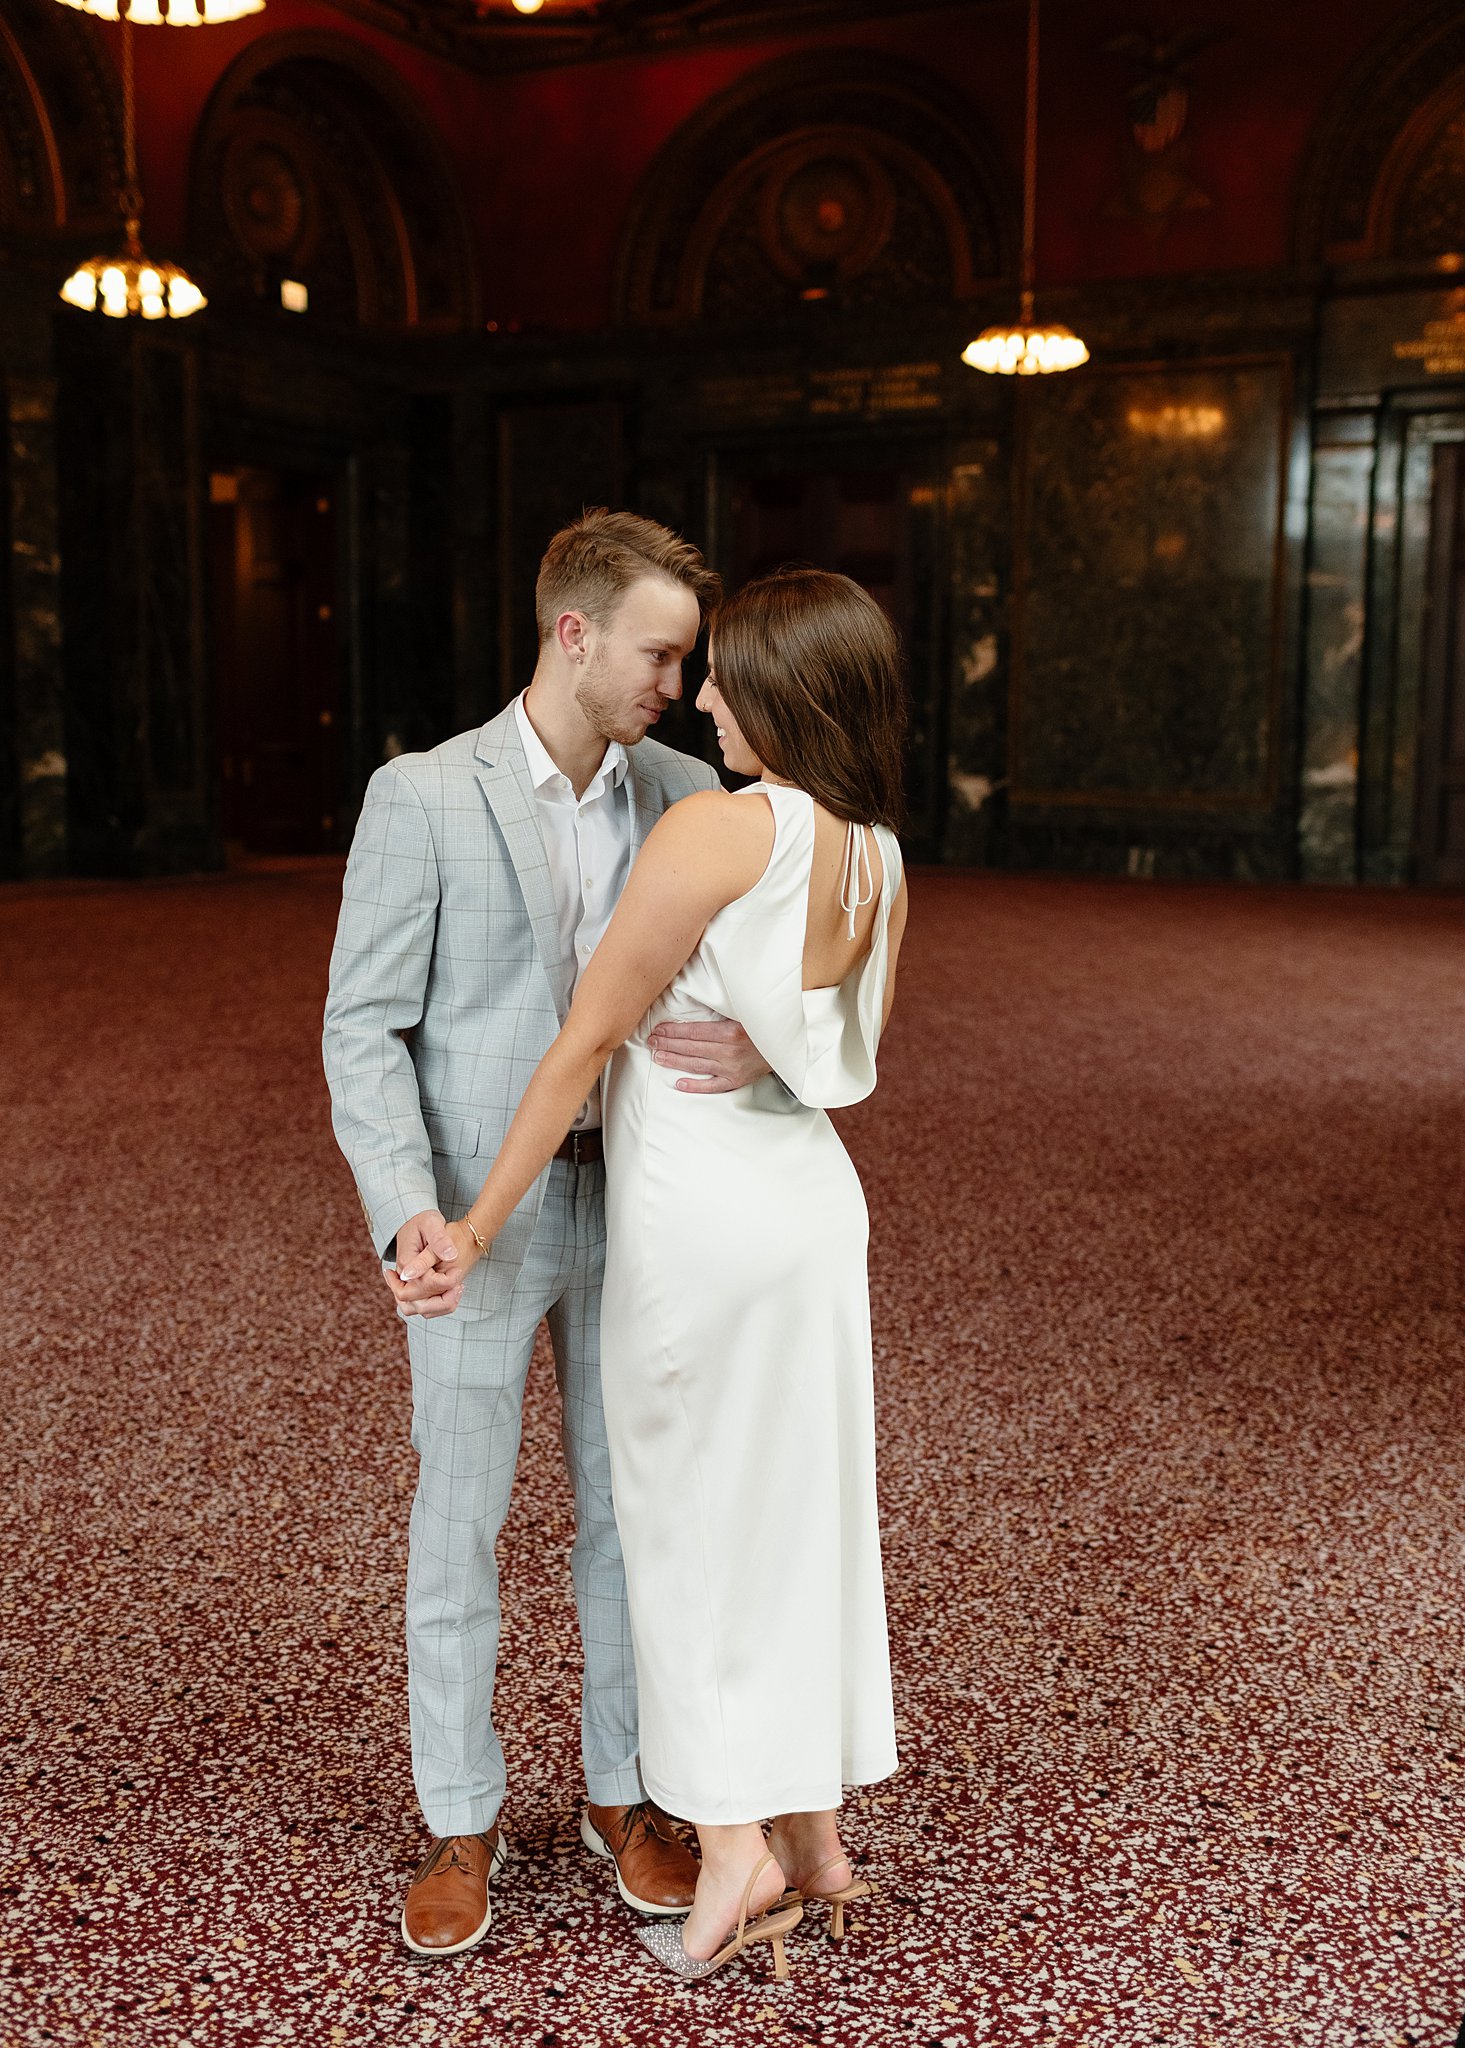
(1441, 811)
(276, 672)
(871, 515)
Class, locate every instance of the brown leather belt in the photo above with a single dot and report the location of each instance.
(582, 1148)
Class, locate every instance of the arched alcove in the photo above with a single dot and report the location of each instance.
(1386, 174)
(60, 141)
(312, 163)
(864, 181)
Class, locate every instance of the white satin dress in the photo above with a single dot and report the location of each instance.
(736, 1365)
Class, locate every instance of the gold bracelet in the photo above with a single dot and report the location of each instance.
(477, 1239)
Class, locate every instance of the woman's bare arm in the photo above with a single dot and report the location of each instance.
(704, 853)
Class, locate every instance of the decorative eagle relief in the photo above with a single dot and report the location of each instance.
(1157, 184)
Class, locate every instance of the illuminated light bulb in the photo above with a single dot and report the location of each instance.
(184, 297)
(180, 13)
(150, 305)
(114, 293)
(529, 6)
(294, 296)
(80, 289)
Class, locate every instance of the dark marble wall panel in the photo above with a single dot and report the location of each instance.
(980, 497)
(162, 570)
(1146, 658)
(1342, 483)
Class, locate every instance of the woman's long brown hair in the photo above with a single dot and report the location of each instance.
(809, 666)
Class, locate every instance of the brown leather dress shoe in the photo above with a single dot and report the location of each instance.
(447, 1907)
(655, 1871)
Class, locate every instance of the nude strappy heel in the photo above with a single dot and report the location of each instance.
(665, 1941)
(835, 1901)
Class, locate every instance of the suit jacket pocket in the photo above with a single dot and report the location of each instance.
(451, 1136)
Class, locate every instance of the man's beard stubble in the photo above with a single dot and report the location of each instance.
(606, 719)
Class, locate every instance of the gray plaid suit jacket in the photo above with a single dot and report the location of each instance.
(442, 978)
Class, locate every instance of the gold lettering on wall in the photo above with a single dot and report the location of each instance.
(1440, 350)
(858, 391)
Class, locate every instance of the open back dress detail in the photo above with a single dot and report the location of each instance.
(736, 1365)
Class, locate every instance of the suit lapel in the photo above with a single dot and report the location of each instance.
(504, 774)
(647, 799)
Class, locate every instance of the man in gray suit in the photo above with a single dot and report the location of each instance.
(481, 877)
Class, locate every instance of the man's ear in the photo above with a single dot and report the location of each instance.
(571, 630)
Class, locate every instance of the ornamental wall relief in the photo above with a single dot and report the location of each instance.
(868, 187)
(308, 168)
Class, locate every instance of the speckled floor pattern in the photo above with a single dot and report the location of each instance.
(1167, 1192)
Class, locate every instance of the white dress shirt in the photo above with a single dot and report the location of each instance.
(587, 841)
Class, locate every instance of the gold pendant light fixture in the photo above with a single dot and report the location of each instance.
(1027, 350)
(131, 283)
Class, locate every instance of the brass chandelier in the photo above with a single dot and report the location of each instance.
(132, 282)
(179, 13)
(1027, 350)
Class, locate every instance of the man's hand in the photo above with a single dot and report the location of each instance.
(425, 1247)
(715, 1057)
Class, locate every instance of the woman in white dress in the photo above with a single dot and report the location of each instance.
(735, 1334)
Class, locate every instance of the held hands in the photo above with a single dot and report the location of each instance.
(433, 1260)
(715, 1057)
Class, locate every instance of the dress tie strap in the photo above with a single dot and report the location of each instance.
(856, 892)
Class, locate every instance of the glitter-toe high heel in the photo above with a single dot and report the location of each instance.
(664, 1940)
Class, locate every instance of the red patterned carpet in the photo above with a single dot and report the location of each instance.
(1168, 1196)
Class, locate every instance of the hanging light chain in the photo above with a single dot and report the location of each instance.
(1030, 169)
(130, 197)
(1027, 350)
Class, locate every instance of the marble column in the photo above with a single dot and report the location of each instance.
(35, 572)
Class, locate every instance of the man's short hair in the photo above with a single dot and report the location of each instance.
(591, 564)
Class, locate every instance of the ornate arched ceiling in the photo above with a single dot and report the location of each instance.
(60, 146)
(1386, 175)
